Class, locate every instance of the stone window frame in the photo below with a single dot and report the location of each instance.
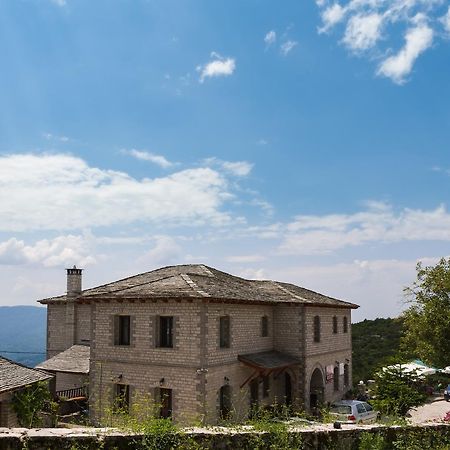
(116, 330)
(316, 328)
(345, 324)
(335, 325)
(157, 331)
(224, 331)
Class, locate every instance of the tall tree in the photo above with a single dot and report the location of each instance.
(427, 320)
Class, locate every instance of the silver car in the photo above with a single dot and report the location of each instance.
(353, 411)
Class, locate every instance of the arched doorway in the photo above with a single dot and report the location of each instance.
(287, 389)
(225, 402)
(316, 389)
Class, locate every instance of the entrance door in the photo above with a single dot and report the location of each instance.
(225, 402)
(165, 411)
(287, 389)
(254, 400)
(316, 389)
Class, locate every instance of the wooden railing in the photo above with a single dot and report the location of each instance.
(72, 393)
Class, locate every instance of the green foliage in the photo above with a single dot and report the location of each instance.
(427, 320)
(30, 401)
(372, 441)
(374, 343)
(397, 391)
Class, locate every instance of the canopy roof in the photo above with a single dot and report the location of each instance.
(73, 360)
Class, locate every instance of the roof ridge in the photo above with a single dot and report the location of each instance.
(289, 292)
(134, 285)
(193, 285)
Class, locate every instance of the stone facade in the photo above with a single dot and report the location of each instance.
(201, 377)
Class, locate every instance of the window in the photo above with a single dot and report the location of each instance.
(336, 378)
(122, 334)
(346, 375)
(264, 326)
(266, 386)
(166, 331)
(360, 408)
(121, 398)
(165, 402)
(335, 325)
(345, 325)
(316, 329)
(224, 332)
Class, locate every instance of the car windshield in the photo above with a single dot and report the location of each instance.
(341, 409)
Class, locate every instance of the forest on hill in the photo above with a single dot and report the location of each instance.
(374, 342)
(23, 334)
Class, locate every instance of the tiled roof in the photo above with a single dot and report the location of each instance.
(14, 375)
(73, 360)
(200, 281)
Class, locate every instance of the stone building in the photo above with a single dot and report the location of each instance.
(13, 378)
(202, 343)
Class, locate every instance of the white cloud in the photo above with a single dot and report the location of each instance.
(52, 137)
(148, 156)
(245, 259)
(287, 47)
(446, 21)
(239, 168)
(399, 66)
(59, 2)
(217, 67)
(363, 31)
(165, 251)
(368, 24)
(270, 38)
(309, 235)
(331, 16)
(63, 192)
(62, 250)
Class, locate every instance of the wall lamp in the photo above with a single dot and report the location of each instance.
(161, 381)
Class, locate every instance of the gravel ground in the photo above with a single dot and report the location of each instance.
(430, 412)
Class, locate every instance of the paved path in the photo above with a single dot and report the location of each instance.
(430, 412)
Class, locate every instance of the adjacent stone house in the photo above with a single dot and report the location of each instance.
(14, 377)
(203, 343)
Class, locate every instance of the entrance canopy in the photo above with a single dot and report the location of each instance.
(266, 363)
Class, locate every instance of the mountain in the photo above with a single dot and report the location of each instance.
(374, 343)
(23, 333)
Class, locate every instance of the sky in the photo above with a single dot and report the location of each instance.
(303, 141)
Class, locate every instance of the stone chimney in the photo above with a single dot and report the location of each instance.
(74, 281)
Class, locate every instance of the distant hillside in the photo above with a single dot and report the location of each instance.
(23, 329)
(374, 342)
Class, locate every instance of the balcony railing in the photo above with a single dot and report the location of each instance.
(73, 393)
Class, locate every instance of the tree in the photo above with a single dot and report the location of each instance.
(397, 391)
(427, 320)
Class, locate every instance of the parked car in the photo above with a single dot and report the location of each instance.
(447, 393)
(353, 411)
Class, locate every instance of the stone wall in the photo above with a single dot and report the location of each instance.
(8, 417)
(323, 438)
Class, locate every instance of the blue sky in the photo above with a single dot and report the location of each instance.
(306, 142)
